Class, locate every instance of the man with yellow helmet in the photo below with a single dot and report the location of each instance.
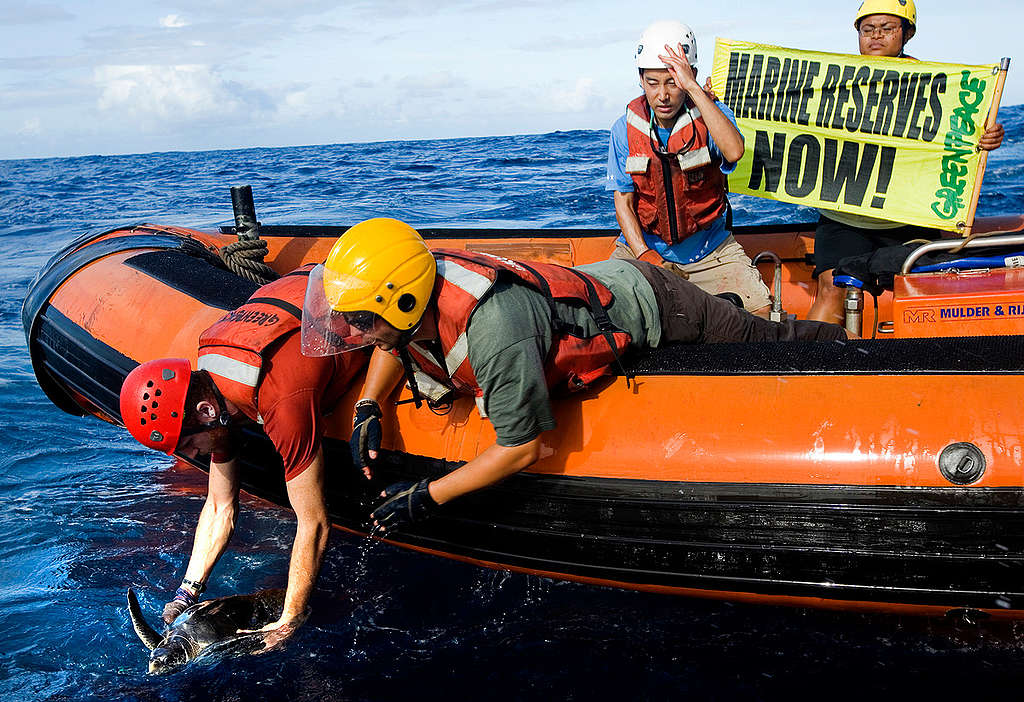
(505, 332)
(883, 29)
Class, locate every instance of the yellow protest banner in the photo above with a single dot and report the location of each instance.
(888, 138)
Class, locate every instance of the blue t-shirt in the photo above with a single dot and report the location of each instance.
(694, 247)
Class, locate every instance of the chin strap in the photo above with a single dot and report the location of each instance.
(410, 373)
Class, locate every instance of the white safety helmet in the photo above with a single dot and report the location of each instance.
(660, 33)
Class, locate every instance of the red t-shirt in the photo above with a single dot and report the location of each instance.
(295, 393)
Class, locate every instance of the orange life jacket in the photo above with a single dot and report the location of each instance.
(464, 278)
(231, 350)
(680, 190)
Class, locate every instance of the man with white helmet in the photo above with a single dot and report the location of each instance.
(883, 29)
(667, 161)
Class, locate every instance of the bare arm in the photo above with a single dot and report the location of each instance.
(494, 464)
(216, 521)
(625, 214)
(312, 529)
(724, 132)
(382, 376)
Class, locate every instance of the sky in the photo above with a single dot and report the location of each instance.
(114, 77)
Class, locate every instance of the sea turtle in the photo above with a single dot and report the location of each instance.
(205, 626)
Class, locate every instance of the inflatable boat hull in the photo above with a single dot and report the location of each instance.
(883, 474)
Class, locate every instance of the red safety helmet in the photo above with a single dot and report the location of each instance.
(153, 402)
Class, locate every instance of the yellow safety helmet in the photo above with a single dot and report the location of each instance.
(904, 9)
(381, 266)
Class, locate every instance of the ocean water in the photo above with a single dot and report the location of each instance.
(85, 512)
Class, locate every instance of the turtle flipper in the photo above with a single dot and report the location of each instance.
(149, 636)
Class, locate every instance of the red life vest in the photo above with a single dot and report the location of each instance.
(464, 278)
(231, 350)
(679, 191)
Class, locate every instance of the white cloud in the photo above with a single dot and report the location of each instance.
(582, 97)
(173, 22)
(31, 128)
(309, 103)
(173, 93)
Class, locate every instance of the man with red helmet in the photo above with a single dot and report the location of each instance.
(250, 369)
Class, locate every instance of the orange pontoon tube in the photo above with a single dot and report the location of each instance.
(883, 473)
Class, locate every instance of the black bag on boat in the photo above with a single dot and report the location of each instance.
(878, 269)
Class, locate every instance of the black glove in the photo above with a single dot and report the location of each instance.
(183, 599)
(173, 609)
(365, 432)
(405, 503)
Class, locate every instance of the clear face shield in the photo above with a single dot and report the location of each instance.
(326, 332)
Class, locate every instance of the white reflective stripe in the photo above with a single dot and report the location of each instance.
(472, 282)
(428, 386)
(637, 122)
(694, 159)
(480, 407)
(684, 119)
(457, 354)
(637, 164)
(238, 371)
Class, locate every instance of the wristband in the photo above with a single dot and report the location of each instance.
(373, 406)
(197, 585)
(183, 595)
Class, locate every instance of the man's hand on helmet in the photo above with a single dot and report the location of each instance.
(681, 70)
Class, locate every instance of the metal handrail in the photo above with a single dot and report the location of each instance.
(777, 313)
(947, 244)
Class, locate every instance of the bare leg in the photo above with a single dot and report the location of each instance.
(828, 303)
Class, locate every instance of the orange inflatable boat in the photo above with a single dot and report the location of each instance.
(885, 473)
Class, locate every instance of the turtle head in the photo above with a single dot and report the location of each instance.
(166, 658)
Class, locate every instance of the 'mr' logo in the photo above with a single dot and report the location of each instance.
(918, 316)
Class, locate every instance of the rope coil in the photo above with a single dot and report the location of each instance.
(245, 258)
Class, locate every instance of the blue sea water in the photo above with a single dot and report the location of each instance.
(85, 512)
